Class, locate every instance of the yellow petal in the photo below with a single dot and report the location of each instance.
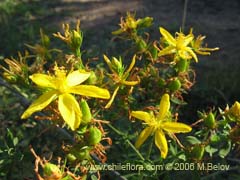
(161, 143)
(90, 90)
(164, 107)
(112, 98)
(188, 49)
(175, 127)
(167, 50)
(142, 115)
(131, 65)
(108, 62)
(168, 36)
(184, 54)
(143, 136)
(201, 52)
(188, 39)
(43, 80)
(70, 110)
(40, 103)
(130, 83)
(76, 77)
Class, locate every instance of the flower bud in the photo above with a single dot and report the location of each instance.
(86, 112)
(141, 44)
(92, 78)
(116, 64)
(131, 22)
(76, 39)
(94, 136)
(235, 110)
(209, 121)
(174, 85)
(145, 22)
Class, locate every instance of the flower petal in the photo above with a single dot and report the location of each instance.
(112, 98)
(184, 54)
(175, 127)
(77, 77)
(164, 107)
(161, 143)
(109, 63)
(43, 80)
(143, 136)
(90, 90)
(142, 115)
(40, 103)
(131, 65)
(188, 39)
(188, 49)
(130, 83)
(70, 110)
(169, 38)
(167, 50)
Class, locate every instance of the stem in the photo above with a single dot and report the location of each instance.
(131, 145)
(150, 149)
(134, 148)
(79, 58)
(184, 14)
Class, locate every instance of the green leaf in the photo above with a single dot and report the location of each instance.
(193, 140)
(210, 150)
(224, 151)
(178, 101)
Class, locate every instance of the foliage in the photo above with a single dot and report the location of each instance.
(93, 105)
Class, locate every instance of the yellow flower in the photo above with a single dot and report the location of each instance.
(235, 109)
(197, 46)
(159, 125)
(178, 45)
(62, 86)
(119, 75)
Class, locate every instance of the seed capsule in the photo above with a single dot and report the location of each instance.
(71, 157)
(209, 121)
(86, 112)
(174, 85)
(94, 136)
(182, 65)
(52, 170)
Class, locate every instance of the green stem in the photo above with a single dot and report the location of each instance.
(150, 149)
(131, 145)
(79, 58)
